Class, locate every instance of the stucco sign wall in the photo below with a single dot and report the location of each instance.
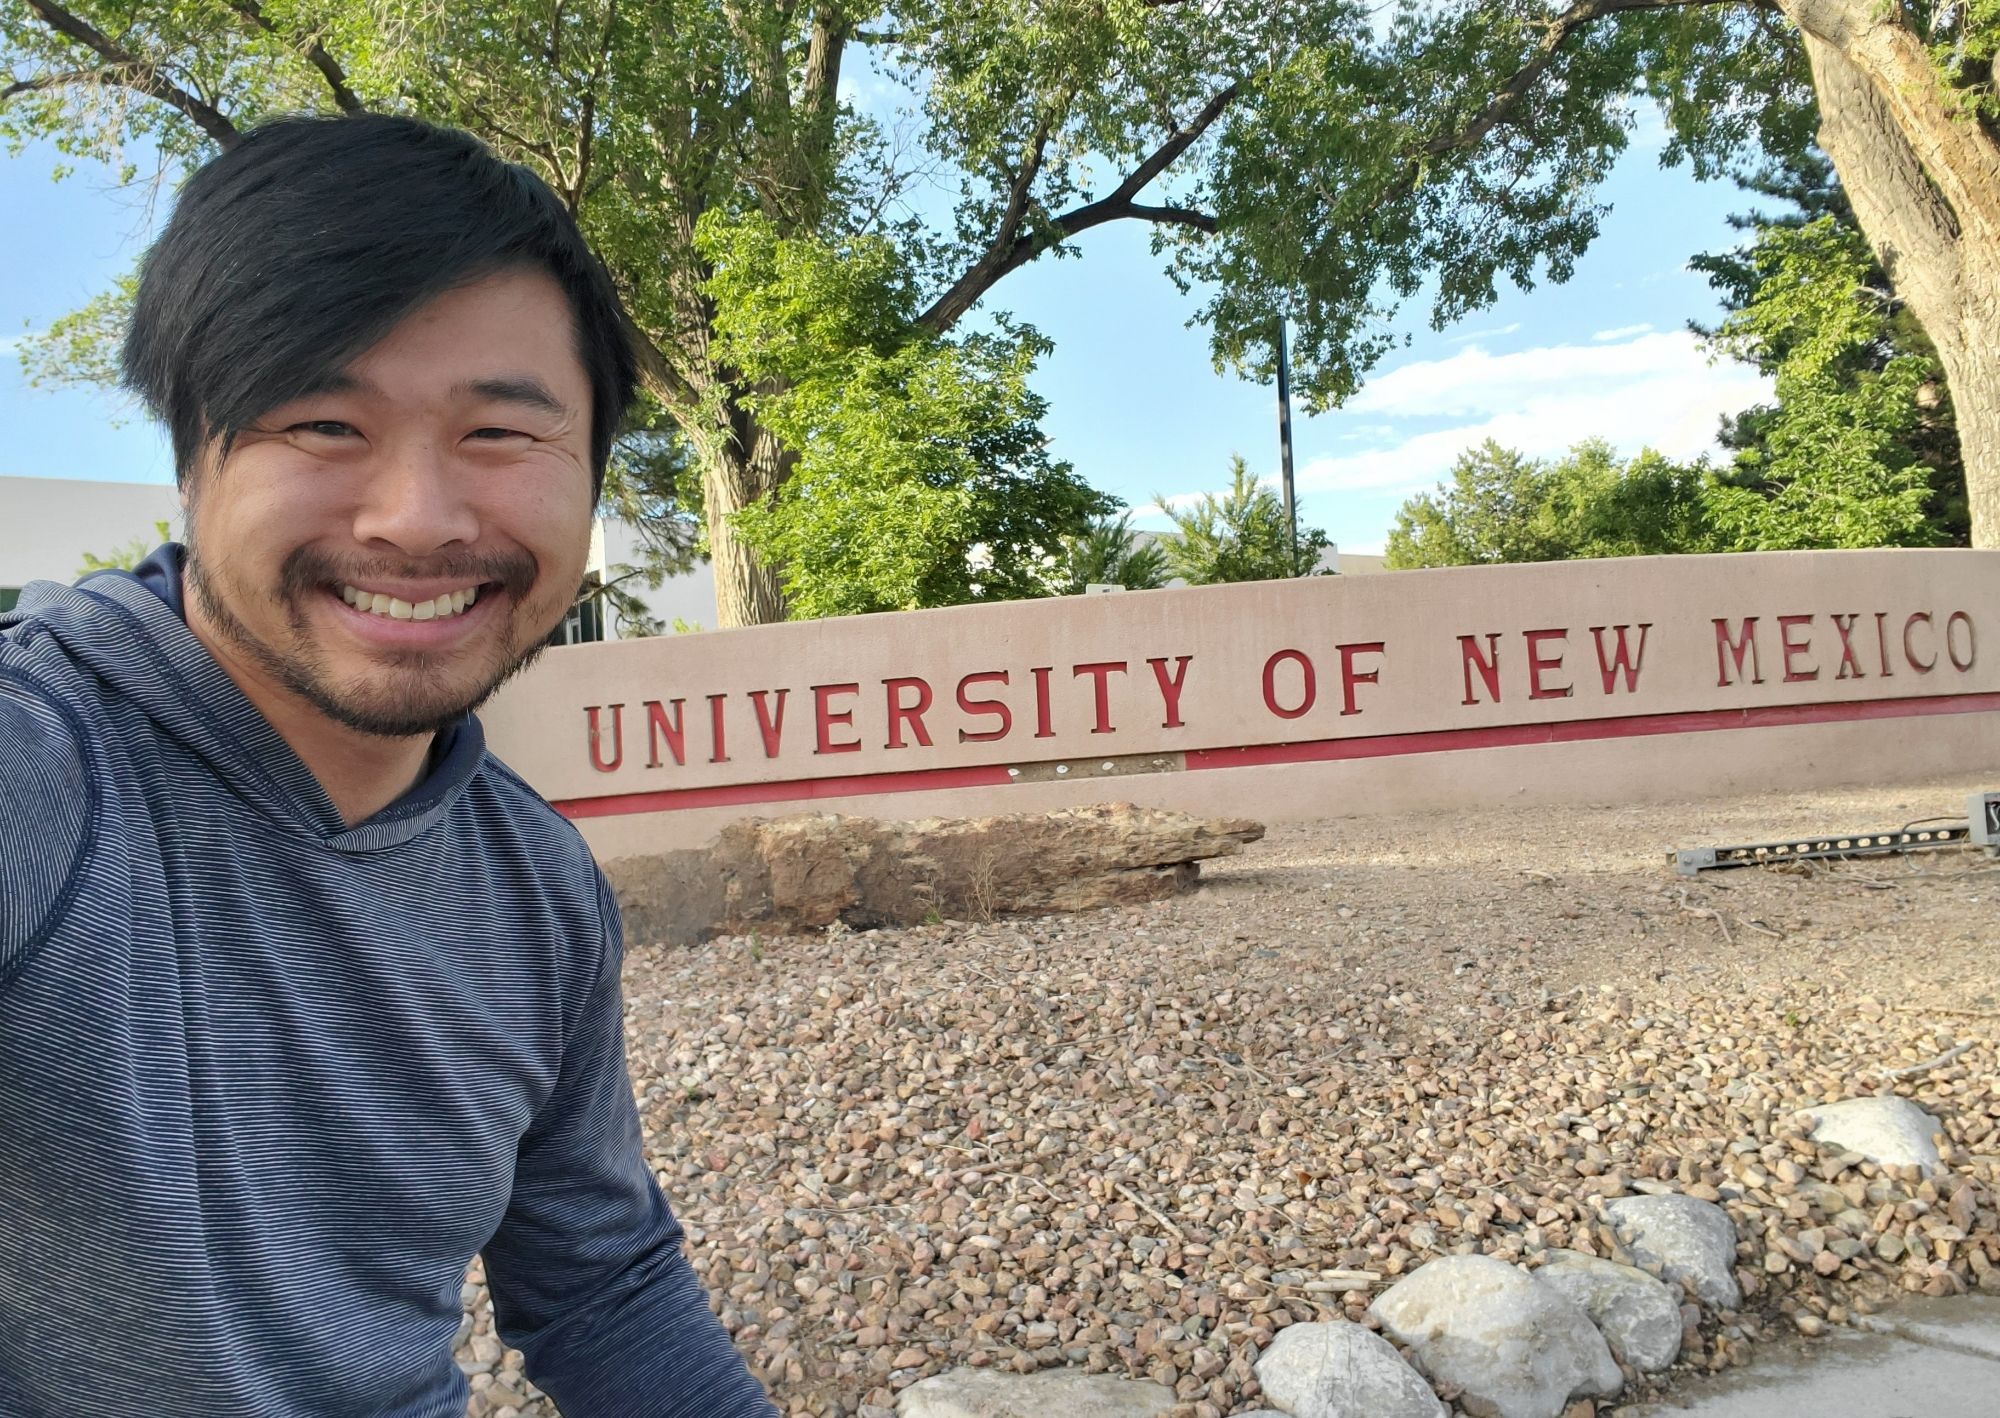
(973, 702)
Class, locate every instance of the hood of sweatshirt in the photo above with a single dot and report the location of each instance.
(126, 629)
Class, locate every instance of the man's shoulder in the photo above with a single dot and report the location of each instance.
(529, 814)
(46, 803)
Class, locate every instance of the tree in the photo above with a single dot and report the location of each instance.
(1241, 535)
(1503, 507)
(1861, 448)
(1831, 464)
(1291, 155)
(1110, 553)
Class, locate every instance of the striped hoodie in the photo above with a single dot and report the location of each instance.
(268, 1082)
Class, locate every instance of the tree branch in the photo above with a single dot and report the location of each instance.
(1009, 252)
(344, 98)
(56, 81)
(1558, 31)
(135, 73)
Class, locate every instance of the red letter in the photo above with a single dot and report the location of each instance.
(658, 727)
(1927, 666)
(997, 708)
(1848, 660)
(1631, 665)
(1745, 643)
(721, 754)
(1792, 648)
(597, 738)
(1951, 644)
(1271, 688)
(1170, 689)
(1099, 672)
(1537, 665)
(770, 725)
(900, 712)
(824, 719)
(1042, 729)
(1489, 666)
(1348, 678)
(1882, 641)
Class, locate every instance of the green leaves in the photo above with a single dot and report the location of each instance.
(1109, 553)
(1239, 535)
(1833, 465)
(920, 476)
(1503, 507)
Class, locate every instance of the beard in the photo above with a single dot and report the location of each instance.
(407, 694)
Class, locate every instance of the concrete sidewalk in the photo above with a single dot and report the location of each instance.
(1927, 1359)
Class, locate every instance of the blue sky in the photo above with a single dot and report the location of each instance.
(1133, 401)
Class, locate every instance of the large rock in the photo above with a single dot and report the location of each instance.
(1343, 1370)
(1684, 1238)
(1053, 1393)
(1516, 1348)
(795, 874)
(1891, 1130)
(1636, 1313)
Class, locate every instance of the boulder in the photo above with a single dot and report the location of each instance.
(1052, 1393)
(1891, 1130)
(1514, 1347)
(1343, 1370)
(1684, 1238)
(1638, 1315)
(795, 874)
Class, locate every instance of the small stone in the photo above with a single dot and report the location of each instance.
(1072, 1393)
(1343, 1370)
(1810, 1325)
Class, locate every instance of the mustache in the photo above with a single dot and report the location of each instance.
(307, 569)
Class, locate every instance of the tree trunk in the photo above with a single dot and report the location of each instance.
(747, 591)
(1976, 371)
(1925, 185)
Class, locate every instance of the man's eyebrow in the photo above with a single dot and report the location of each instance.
(516, 389)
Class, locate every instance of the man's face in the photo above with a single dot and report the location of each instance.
(390, 549)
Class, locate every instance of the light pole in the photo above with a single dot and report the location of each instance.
(1285, 446)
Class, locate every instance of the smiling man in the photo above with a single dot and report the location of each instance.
(305, 1000)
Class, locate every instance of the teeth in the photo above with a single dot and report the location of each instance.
(375, 603)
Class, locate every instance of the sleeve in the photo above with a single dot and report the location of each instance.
(44, 819)
(588, 1278)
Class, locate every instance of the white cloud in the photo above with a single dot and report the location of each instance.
(1623, 332)
(1658, 391)
(1483, 334)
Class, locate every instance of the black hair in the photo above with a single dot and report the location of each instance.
(307, 240)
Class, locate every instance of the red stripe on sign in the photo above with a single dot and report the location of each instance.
(995, 775)
(859, 785)
(1583, 730)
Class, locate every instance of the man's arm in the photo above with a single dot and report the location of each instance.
(44, 818)
(586, 1270)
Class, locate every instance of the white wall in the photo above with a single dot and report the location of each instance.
(691, 598)
(47, 524)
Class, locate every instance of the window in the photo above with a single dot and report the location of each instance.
(584, 625)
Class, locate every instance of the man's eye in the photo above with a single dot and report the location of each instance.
(492, 434)
(324, 428)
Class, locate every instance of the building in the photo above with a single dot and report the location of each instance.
(49, 525)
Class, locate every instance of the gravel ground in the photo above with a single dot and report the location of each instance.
(1144, 1141)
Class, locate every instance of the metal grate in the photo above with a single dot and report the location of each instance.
(1691, 860)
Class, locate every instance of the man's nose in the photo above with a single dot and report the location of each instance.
(416, 501)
